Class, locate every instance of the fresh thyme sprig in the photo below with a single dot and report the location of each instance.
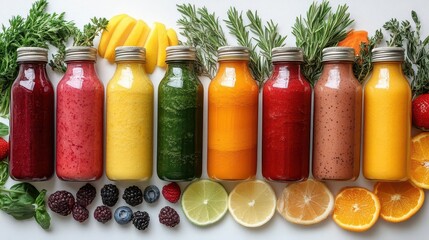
(320, 29)
(416, 64)
(38, 29)
(363, 63)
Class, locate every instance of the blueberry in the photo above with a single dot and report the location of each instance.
(123, 215)
(151, 194)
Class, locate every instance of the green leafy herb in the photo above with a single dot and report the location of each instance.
(4, 129)
(38, 29)
(23, 200)
(363, 63)
(320, 29)
(416, 64)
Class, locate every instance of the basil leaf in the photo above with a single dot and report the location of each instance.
(40, 200)
(4, 129)
(43, 218)
(4, 173)
(24, 188)
(19, 210)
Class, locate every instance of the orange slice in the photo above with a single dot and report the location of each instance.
(399, 200)
(419, 165)
(306, 203)
(356, 209)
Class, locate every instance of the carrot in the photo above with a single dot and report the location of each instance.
(354, 39)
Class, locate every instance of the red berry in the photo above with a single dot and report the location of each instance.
(4, 149)
(420, 111)
(171, 192)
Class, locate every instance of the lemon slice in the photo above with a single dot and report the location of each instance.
(252, 203)
(204, 202)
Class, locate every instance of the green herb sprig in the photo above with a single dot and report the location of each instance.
(363, 63)
(38, 29)
(320, 29)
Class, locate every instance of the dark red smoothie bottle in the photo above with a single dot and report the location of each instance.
(286, 116)
(32, 118)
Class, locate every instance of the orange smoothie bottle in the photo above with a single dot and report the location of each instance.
(387, 118)
(232, 117)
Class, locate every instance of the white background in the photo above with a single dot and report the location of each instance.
(369, 15)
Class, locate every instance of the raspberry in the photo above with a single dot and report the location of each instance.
(141, 220)
(171, 192)
(133, 196)
(103, 214)
(85, 195)
(4, 149)
(109, 195)
(169, 217)
(61, 202)
(80, 213)
(151, 194)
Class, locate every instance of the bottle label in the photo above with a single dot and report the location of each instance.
(76, 78)
(30, 76)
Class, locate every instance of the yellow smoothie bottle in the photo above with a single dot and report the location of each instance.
(387, 118)
(129, 118)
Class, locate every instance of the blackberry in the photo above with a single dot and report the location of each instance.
(151, 194)
(169, 217)
(61, 202)
(80, 213)
(123, 215)
(109, 195)
(133, 196)
(141, 220)
(103, 214)
(85, 195)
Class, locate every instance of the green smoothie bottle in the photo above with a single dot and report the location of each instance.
(180, 118)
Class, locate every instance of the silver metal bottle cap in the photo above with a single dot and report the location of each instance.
(287, 54)
(233, 53)
(29, 54)
(77, 53)
(130, 53)
(388, 54)
(181, 53)
(338, 54)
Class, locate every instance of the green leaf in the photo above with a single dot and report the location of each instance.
(19, 211)
(43, 218)
(24, 189)
(4, 129)
(4, 173)
(40, 200)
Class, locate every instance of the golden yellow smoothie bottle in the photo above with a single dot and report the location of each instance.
(232, 117)
(129, 120)
(387, 118)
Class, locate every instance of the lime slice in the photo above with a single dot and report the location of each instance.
(204, 202)
(252, 203)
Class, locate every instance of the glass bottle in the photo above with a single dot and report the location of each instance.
(180, 118)
(32, 118)
(129, 103)
(80, 103)
(286, 118)
(337, 117)
(387, 117)
(232, 117)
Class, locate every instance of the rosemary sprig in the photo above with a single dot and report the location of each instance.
(320, 29)
(363, 63)
(416, 64)
(38, 29)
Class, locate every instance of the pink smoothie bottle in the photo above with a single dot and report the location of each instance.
(32, 118)
(80, 103)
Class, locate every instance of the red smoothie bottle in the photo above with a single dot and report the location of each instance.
(80, 104)
(32, 118)
(286, 116)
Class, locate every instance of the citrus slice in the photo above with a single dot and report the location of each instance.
(356, 209)
(419, 166)
(305, 203)
(204, 202)
(399, 200)
(252, 203)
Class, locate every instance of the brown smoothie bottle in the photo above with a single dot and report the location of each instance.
(337, 117)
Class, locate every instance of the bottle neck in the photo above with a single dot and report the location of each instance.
(393, 67)
(86, 68)
(345, 67)
(33, 71)
(294, 68)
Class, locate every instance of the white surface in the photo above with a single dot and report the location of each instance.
(369, 15)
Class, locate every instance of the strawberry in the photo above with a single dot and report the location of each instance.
(4, 149)
(171, 192)
(420, 111)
